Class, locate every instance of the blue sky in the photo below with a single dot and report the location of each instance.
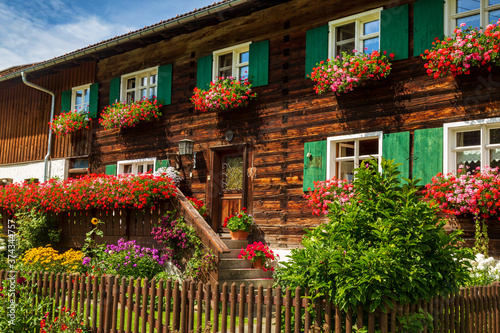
(36, 30)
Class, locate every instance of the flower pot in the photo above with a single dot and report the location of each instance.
(258, 263)
(239, 235)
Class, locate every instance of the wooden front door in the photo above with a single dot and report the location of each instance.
(229, 184)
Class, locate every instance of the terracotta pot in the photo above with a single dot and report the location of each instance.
(258, 263)
(239, 234)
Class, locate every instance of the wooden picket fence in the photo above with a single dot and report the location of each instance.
(114, 304)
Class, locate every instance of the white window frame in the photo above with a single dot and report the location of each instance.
(449, 141)
(330, 151)
(135, 163)
(137, 75)
(450, 16)
(359, 19)
(73, 96)
(236, 51)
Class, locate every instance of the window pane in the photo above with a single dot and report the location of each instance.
(346, 170)
(493, 16)
(140, 168)
(493, 2)
(466, 5)
(86, 96)
(370, 45)
(345, 149)
(226, 73)
(466, 139)
(368, 147)
(470, 21)
(144, 81)
(371, 27)
(152, 92)
(348, 47)
(131, 83)
(244, 72)
(143, 93)
(495, 135)
(150, 168)
(127, 168)
(495, 158)
(226, 60)
(152, 79)
(232, 173)
(470, 158)
(344, 32)
(79, 97)
(244, 57)
(131, 96)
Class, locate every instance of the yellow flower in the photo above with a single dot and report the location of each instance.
(94, 221)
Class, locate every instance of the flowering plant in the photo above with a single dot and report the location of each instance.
(130, 259)
(239, 221)
(46, 259)
(64, 321)
(171, 173)
(467, 192)
(199, 205)
(100, 192)
(224, 93)
(483, 270)
(123, 115)
(325, 192)
(258, 250)
(352, 69)
(465, 48)
(69, 122)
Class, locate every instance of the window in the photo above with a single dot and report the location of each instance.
(359, 32)
(136, 166)
(345, 153)
(472, 143)
(139, 85)
(232, 61)
(80, 98)
(474, 13)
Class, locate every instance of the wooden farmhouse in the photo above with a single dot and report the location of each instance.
(266, 155)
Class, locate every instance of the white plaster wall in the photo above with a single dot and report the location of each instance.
(20, 172)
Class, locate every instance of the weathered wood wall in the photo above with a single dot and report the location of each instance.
(287, 112)
(25, 114)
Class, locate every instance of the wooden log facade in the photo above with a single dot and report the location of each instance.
(272, 131)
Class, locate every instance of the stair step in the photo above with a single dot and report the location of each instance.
(234, 263)
(232, 254)
(243, 273)
(235, 244)
(247, 282)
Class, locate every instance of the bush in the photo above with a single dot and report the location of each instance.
(484, 271)
(385, 244)
(35, 229)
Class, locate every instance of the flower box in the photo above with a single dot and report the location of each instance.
(223, 94)
(125, 115)
(69, 122)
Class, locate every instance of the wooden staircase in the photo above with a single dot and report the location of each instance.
(240, 271)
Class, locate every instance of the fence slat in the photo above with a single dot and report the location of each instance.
(144, 308)
(81, 306)
(298, 310)
(338, 320)
(360, 323)
(269, 307)
(130, 304)
(116, 298)
(279, 301)
(233, 296)
(251, 302)
(208, 305)
(199, 301)
(152, 301)
(168, 299)
(241, 312)
(288, 310)
(191, 306)
(307, 318)
(137, 304)
(216, 307)
(94, 302)
(260, 306)
(177, 305)
(161, 295)
(123, 307)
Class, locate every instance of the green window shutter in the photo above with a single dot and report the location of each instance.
(396, 146)
(165, 84)
(66, 101)
(162, 164)
(259, 63)
(394, 25)
(204, 72)
(316, 47)
(427, 153)
(315, 164)
(114, 90)
(111, 169)
(94, 97)
(428, 23)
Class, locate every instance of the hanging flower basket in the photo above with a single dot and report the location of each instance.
(466, 48)
(124, 115)
(69, 122)
(343, 73)
(223, 94)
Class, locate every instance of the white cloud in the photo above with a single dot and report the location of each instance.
(25, 38)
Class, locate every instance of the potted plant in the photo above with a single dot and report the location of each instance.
(123, 115)
(69, 122)
(260, 255)
(223, 94)
(343, 73)
(239, 225)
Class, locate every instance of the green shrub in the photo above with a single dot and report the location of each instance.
(385, 244)
(35, 229)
